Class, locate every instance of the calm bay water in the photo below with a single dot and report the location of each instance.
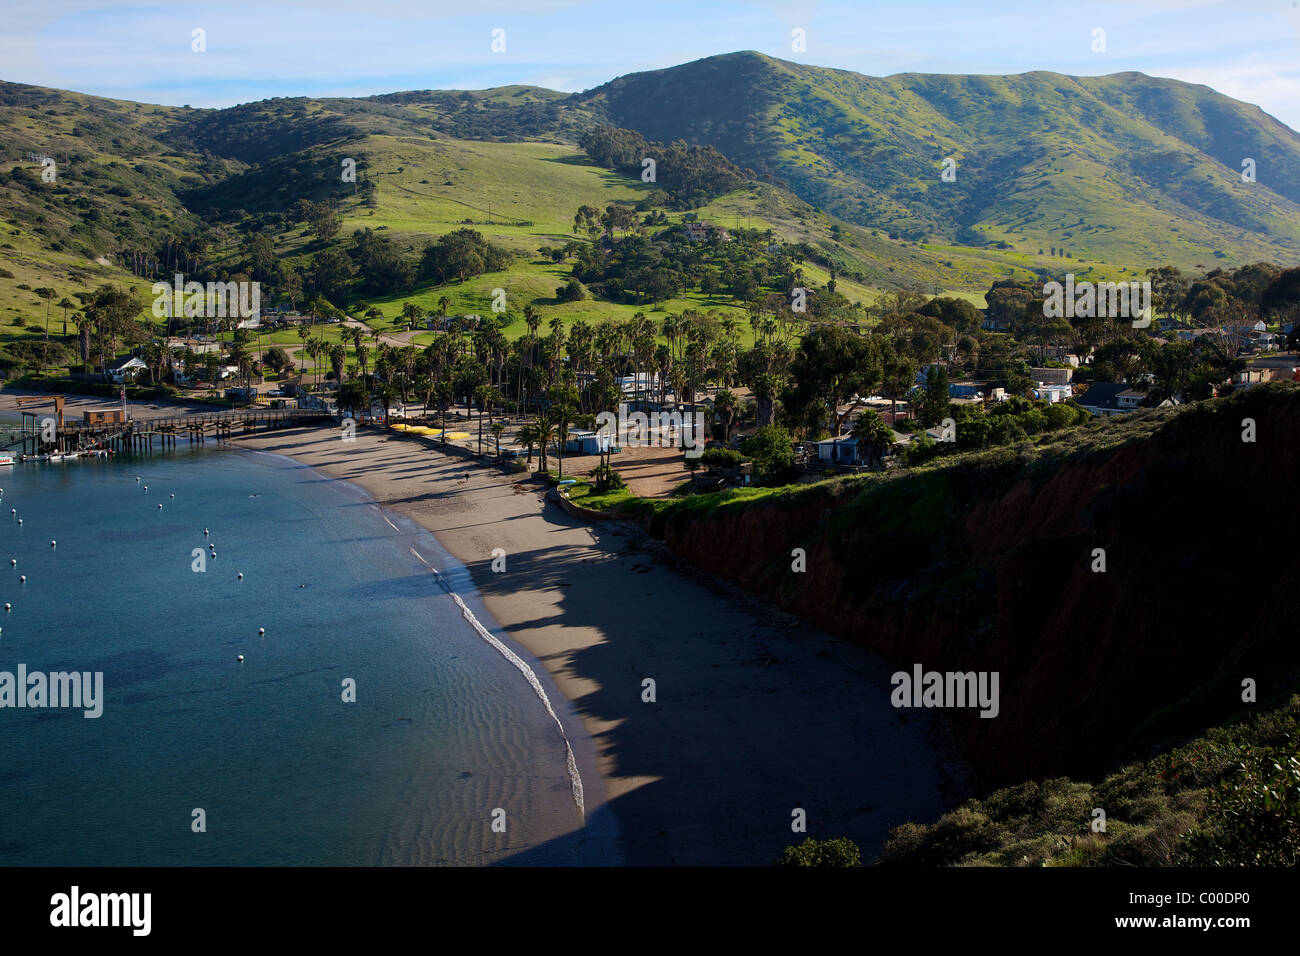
(444, 730)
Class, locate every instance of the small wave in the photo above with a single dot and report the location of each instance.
(575, 778)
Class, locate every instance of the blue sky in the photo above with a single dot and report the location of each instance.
(1249, 49)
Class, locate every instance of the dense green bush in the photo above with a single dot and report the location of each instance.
(1253, 817)
(838, 852)
(772, 450)
(721, 458)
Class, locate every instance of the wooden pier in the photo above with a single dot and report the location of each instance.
(144, 434)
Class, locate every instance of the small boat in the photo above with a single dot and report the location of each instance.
(6, 459)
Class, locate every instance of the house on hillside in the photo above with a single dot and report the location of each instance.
(1107, 399)
(1052, 376)
(1051, 394)
(847, 450)
(124, 370)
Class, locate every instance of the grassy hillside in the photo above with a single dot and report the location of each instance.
(1125, 169)
(1102, 177)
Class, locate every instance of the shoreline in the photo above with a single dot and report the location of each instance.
(711, 771)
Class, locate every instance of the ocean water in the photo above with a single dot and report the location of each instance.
(446, 736)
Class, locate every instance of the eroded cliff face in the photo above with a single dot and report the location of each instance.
(988, 566)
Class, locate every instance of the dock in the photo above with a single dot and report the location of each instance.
(144, 434)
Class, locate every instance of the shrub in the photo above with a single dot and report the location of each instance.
(922, 449)
(838, 852)
(772, 451)
(20, 322)
(1252, 818)
(571, 291)
(1059, 416)
(721, 458)
(1032, 421)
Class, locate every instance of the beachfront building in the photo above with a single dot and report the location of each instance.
(125, 370)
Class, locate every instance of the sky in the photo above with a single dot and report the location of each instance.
(146, 51)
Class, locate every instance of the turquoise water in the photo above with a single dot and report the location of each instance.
(444, 731)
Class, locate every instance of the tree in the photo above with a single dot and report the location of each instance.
(65, 304)
(833, 366)
(898, 378)
(47, 294)
(338, 361)
(498, 429)
(528, 435)
(772, 451)
(571, 291)
(323, 220)
(546, 433)
(935, 403)
(726, 404)
(870, 429)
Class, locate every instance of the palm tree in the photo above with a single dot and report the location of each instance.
(871, 428)
(338, 361)
(528, 436)
(303, 333)
(726, 404)
(384, 392)
(410, 312)
(65, 304)
(546, 433)
(47, 294)
(498, 428)
(84, 324)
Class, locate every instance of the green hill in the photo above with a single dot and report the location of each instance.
(1100, 176)
(1127, 168)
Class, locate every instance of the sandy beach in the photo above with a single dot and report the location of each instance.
(755, 714)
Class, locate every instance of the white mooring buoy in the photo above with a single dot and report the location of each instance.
(54, 544)
(240, 575)
(240, 658)
(7, 605)
(22, 579)
(261, 632)
(160, 507)
(13, 562)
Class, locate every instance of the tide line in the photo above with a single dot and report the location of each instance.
(575, 778)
